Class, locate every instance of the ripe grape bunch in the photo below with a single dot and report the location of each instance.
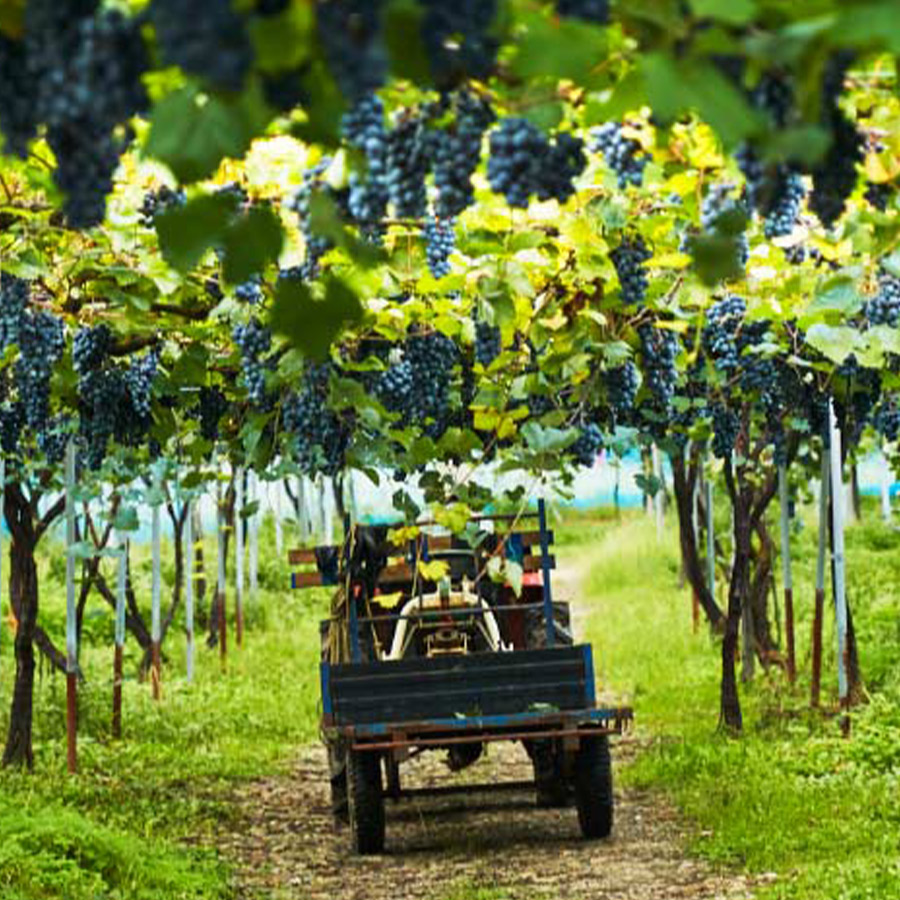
(458, 39)
(18, 120)
(659, 348)
(629, 258)
(41, 345)
(212, 43)
(407, 165)
(726, 427)
(523, 162)
(834, 178)
(884, 307)
(621, 390)
(91, 347)
(320, 439)
(488, 343)
(316, 246)
(363, 128)
(351, 38)
(595, 11)
(160, 200)
(587, 445)
(212, 405)
(250, 291)
(455, 152)
(431, 357)
(622, 154)
(720, 333)
(14, 295)
(88, 66)
(253, 340)
(440, 242)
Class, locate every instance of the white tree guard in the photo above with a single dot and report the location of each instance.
(660, 495)
(155, 538)
(785, 529)
(239, 504)
(838, 559)
(886, 479)
(71, 624)
(824, 490)
(189, 589)
(121, 586)
(275, 504)
(710, 540)
(253, 533)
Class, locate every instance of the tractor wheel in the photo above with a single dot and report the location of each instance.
(553, 789)
(337, 770)
(536, 629)
(366, 801)
(593, 787)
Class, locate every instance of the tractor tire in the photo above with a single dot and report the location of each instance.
(594, 787)
(553, 790)
(536, 629)
(337, 770)
(366, 801)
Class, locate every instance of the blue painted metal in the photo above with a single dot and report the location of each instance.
(468, 723)
(545, 573)
(325, 679)
(590, 687)
(515, 550)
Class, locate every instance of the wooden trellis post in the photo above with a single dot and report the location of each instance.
(239, 555)
(156, 584)
(71, 622)
(786, 573)
(838, 561)
(121, 581)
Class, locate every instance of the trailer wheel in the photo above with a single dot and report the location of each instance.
(337, 770)
(366, 801)
(593, 787)
(553, 790)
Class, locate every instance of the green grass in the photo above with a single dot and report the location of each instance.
(117, 829)
(790, 796)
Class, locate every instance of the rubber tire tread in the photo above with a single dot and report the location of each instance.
(364, 790)
(594, 787)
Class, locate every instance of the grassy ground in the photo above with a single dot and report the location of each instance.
(118, 829)
(791, 797)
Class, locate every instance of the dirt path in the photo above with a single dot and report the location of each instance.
(450, 848)
(478, 846)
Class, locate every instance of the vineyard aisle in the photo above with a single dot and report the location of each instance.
(490, 847)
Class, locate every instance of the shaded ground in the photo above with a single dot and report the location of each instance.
(479, 846)
(286, 845)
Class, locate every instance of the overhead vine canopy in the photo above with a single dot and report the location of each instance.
(384, 234)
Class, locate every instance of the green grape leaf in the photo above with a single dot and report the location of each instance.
(187, 232)
(192, 133)
(309, 324)
(251, 242)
